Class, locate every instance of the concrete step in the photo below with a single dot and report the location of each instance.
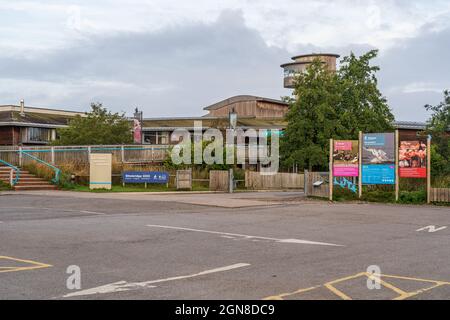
(27, 181)
(34, 187)
(31, 178)
(33, 183)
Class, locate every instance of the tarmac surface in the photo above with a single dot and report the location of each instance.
(271, 245)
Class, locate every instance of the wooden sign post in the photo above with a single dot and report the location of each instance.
(429, 169)
(331, 170)
(397, 180)
(360, 165)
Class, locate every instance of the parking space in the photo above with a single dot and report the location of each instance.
(144, 248)
(355, 287)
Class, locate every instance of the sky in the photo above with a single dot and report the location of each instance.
(174, 57)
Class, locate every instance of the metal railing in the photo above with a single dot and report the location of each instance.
(12, 180)
(57, 171)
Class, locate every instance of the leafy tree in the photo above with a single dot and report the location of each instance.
(438, 126)
(333, 105)
(363, 107)
(99, 126)
(312, 118)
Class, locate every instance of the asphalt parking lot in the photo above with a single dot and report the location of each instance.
(219, 246)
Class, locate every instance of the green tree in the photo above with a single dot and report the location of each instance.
(312, 118)
(333, 105)
(363, 107)
(99, 126)
(438, 127)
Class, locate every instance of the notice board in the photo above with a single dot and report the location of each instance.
(100, 170)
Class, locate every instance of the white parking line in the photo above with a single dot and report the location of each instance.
(121, 286)
(297, 241)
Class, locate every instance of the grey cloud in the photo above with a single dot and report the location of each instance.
(177, 71)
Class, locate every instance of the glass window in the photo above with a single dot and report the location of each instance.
(156, 137)
(38, 135)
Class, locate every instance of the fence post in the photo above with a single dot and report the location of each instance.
(122, 152)
(305, 182)
(52, 161)
(20, 156)
(89, 154)
(230, 181)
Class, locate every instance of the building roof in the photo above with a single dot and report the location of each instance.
(14, 118)
(410, 125)
(242, 98)
(316, 55)
(212, 122)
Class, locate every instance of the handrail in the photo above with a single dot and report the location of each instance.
(57, 171)
(12, 181)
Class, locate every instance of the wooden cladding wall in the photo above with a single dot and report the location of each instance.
(258, 109)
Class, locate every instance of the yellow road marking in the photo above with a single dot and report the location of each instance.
(34, 265)
(401, 293)
(282, 295)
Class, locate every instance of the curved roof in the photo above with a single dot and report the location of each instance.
(315, 55)
(294, 63)
(242, 98)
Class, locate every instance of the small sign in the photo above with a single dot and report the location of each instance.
(145, 177)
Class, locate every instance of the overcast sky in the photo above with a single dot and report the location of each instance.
(174, 57)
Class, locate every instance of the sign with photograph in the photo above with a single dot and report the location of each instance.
(345, 158)
(413, 159)
(378, 158)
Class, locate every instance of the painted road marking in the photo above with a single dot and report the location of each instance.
(432, 228)
(121, 286)
(34, 265)
(57, 209)
(244, 236)
(402, 295)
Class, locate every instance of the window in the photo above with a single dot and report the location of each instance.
(156, 137)
(38, 135)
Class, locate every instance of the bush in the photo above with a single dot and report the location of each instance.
(414, 197)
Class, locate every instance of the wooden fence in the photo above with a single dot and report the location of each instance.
(184, 179)
(317, 184)
(440, 194)
(280, 181)
(61, 155)
(218, 180)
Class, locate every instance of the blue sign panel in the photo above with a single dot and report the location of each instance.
(145, 177)
(378, 174)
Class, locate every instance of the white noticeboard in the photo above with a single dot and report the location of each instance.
(100, 171)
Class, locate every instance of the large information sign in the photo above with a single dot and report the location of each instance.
(145, 177)
(413, 159)
(378, 158)
(345, 158)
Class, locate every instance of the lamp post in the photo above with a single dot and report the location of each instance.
(232, 120)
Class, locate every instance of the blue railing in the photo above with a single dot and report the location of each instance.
(14, 181)
(57, 171)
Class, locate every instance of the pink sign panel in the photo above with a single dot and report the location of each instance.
(342, 145)
(345, 170)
